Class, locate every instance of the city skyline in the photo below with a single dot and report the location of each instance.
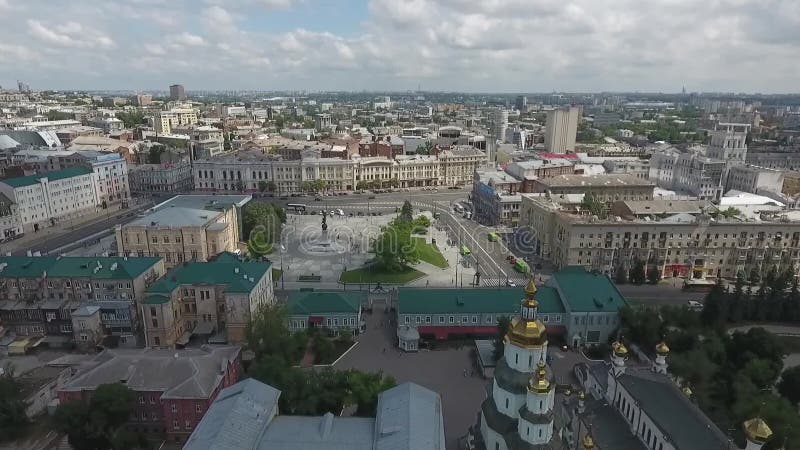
(382, 45)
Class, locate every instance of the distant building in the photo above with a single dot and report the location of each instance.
(561, 129)
(492, 196)
(185, 228)
(521, 103)
(606, 188)
(144, 99)
(170, 177)
(245, 416)
(107, 124)
(177, 93)
(640, 168)
(164, 121)
(173, 389)
(322, 122)
(207, 301)
(729, 142)
(498, 123)
(754, 179)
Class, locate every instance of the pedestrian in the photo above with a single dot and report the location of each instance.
(465, 373)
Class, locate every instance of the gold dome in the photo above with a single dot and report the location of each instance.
(581, 395)
(619, 349)
(527, 333)
(757, 430)
(662, 349)
(530, 288)
(539, 382)
(588, 442)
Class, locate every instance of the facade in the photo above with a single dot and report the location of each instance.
(10, 224)
(754, 179)
(494, 199)
(561, 129)
(518, 413)
(335, 310)
(152, 178)
(206, 142)
(729, 142)
(39, 293)
(164, 121)
(177, 92)
(174, 389)
(44, 200)
(498, 123)
(606, 188)
(210, 301)
(688, 172)
(107, 124)
(110, 176)
(640, 168)
(245, 415)
(676, 244)
(185, 228)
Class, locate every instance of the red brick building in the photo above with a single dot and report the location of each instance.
(174, 388)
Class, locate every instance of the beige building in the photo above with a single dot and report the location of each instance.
(606, 188)
(185, 228)
(164, 121)
(561, 129)
(209, 301)
(679, 241)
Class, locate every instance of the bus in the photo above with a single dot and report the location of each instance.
(297, 206)
(465, 251)
(521, 266)
(493, 237)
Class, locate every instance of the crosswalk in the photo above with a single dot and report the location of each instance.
(517, 279)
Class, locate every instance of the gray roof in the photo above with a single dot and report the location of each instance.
(208, 202)
(191, 373)
(609, 428)
(409, 418)
(672, 412)
(7, 142)
(238, 418)
(176, 217)
(595, 181)
(243, 417)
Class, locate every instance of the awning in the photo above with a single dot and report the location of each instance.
(203, 328)
(315, 319)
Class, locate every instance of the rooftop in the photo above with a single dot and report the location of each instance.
(473, 301)
(94, 267)
(190, 373)
(594, 180)
(177, 217)
(238, 275)
(318, 302)
(31, 180)
(586, 291)
(206, 202)
(646, 207)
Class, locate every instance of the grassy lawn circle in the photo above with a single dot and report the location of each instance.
(430, 253)
(374, 274)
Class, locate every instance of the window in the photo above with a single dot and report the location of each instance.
(452, 319)
(335, 322)
(506, 402)
(187, 424)
(174, 407)
(175, 424)
(441, 319)
(407, 319)
(141, 400)
(156, 341)
(474, 319)
(155, 323)
(427, 319)
(152, 311)
(464, 319)
(154, 416)
(198, 408)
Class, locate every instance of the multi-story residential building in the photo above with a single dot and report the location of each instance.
(699, 176)
(561, 129)
(164, 121)
(113, 323)
(786, 158)
(112, 185)
(67, 135)
(170, 177)
(334, 310)
(754, 179)
(177, 92)
(210, 301)
(185, 228)
(606, 188)
(245, 416)
(144, 99)
(206, 142)
(493, 197)
(43, 200)
(530, 170)
(729, 142)
(173, 389)
(497, 119)
(40, 292)
(679, 244)
(107, 124)
(640, 168)
(458, 165)
(10, 224)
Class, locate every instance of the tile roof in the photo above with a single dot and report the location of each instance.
(477, 301)
(682, 421)
(191, 373)
(110, 267)
(225, 269)
(586, 291)
(51, 176)
(319, 302)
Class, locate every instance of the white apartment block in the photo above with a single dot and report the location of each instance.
(690, 173)
(43, 200)
(111, 177)
(207, 142)
(729, 142)
(561, 129)
(164, 121)
(245, 170)
(678, 245)
(754, 179)
(10, 224)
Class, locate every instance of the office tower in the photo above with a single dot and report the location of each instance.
(176, 92)
(522, 103)
(498, 123)
(559, 133)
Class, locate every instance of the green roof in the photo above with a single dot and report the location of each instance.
(587, 291)
(473, 301)
(52, 176)
(321, 302)
(225, 269)
(110, 267)
(156, 299)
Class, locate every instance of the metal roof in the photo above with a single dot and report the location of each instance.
(586, 291)
(51, 176)
(176, 217)
(319, 302)
(238, 275)
(473, 301)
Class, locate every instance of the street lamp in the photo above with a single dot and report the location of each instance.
(283, 275)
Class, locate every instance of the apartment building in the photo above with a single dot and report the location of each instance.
(208, 301)
(170, 177)
(689, 172)
(39, 292)
(185, 228)
(729, 142)
(561, 129)
(606, 188)
(173, 389)
(754, 179)
(682, 242)
(111, 181)
(640, 168)
(458, 164)
(164, 121)
(206, 142)
(10, 224)
(44, 200)
(494, 197)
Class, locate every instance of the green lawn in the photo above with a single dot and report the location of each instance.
(430, 253)
(373, 274)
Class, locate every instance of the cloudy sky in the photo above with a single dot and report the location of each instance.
(459, 45)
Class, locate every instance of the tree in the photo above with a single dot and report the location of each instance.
(394, 249)
(13, 419)
(58, 115)
(503, 325)
(154, 154)
(406, 212)
(262, 186)
(131, 119)
(637, 274)
(422, 221)
(755, 276)
(97, 424)
(621, 275)
(594, 205)
(653, 275)
(264, 219)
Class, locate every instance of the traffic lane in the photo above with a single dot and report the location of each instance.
(50, 243)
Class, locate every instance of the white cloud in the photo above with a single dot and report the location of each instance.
(187, 39)
(218, 17)
(70, 34)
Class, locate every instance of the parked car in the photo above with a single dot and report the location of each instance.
(317, 199)
(371, 197)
